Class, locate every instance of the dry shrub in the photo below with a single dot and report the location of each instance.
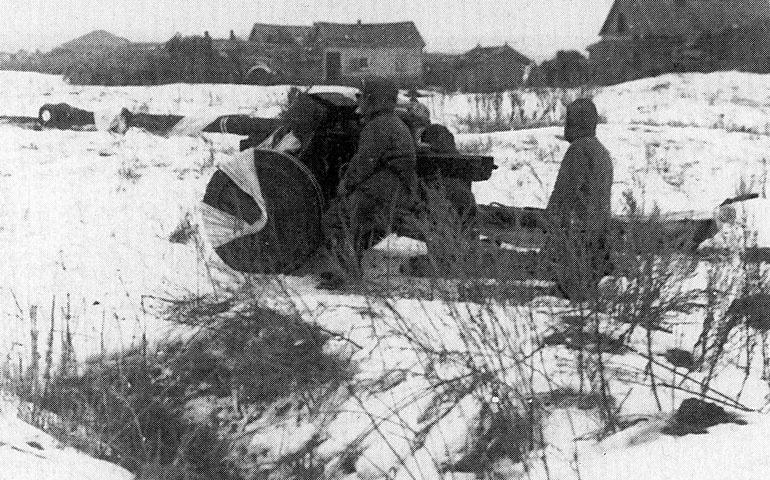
(262, 354)
(133, 405)
(138, 416)
(652, 261)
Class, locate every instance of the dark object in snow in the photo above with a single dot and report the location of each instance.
(34, 444)
(184, 232)
(555, 339)
(680, 358)
(160, 124)
(505, 433)
(64, 116)
(503, 216)
(331, 280)
(754, 308)
(587, 341)
(740, 198)
(31, 123)
(574, 335)
(695, 416)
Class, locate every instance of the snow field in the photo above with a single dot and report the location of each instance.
(88, 214)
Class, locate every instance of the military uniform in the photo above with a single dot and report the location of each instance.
(440, 140)
(378, 190)
(578, 210)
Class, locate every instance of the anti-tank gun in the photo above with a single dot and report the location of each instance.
(262, 210)
(327, 127)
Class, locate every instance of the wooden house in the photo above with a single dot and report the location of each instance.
(346, 53)
(642, 38)
(489, 69)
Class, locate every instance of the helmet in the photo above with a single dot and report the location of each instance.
(378, 94)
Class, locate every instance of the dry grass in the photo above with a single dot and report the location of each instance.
(253, 358)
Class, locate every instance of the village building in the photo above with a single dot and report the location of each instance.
(490, 69)
(346, 53)
(643, 38)
(479, 70)
(275, 53)
(329, 53)
(324, 53)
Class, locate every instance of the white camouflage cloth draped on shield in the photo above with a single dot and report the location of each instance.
(223, 227)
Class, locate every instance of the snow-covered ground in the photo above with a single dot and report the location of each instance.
(85, 219)
(27, 453)
(400, 398)
(677, 169)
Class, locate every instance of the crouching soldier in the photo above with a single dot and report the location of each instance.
(439, 139)
(434, 138)
(378, 191)
(578, 212)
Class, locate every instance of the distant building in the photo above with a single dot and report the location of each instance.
(647, 37)
(438, 70)
(489, 69)
(270, 54)
(97, 41)
(332, 53)
(346, 53)
(324, 53)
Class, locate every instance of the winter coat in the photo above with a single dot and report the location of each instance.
(584, 184)
(385, 153)
(379, 188)
(578, 249)
(458, 191)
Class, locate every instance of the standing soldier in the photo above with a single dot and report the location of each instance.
(579, 208)
(378, 189)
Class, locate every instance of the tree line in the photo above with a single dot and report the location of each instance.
(188, 59)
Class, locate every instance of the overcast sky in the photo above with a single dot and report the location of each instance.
(536, 27)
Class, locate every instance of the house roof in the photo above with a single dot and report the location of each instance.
(684, 17)
(398, 34)
(96, 39)
(481, 54)
(278, 34)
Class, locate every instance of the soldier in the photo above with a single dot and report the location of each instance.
(439, 139)
(379, 188)
(578, 211)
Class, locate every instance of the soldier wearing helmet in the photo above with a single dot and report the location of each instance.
(384, 152)
(578, 210)
(379, 188)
